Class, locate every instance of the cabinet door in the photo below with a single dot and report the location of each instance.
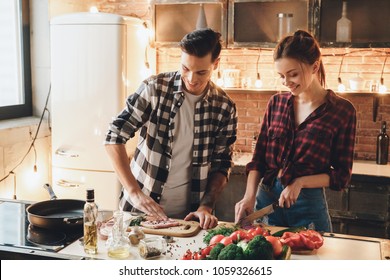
(233, 192)
(255, 22)
(370, 22)
(172, 19)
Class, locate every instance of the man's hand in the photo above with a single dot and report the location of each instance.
(147, 205)
(203, 214)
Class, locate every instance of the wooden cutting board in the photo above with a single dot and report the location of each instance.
(186, 229)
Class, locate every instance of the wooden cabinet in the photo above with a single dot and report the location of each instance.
(363, 208)
(233, 192)
(370, 23)
(253, 23)
(172, 19)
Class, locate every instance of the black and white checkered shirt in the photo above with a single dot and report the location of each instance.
(152, 109)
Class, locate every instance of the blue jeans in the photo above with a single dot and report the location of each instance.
(310, 210)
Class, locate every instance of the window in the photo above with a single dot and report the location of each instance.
(15, 68)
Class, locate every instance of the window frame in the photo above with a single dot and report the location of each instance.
(25, 109)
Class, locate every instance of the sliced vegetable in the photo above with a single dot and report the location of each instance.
(303, 240)
(291, 229)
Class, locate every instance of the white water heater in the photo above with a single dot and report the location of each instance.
(91, 78)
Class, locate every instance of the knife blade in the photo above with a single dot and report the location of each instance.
(258, 214)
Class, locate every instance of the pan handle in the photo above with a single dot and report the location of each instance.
(51, 192)
(77, 221)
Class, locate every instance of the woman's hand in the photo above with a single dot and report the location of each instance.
(243, 208)
(290, 194)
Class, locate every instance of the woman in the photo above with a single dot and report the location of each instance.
(305, 144)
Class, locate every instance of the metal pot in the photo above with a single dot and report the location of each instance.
(56, 213)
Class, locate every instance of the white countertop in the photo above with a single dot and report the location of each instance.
(360, 167)
(336, 247)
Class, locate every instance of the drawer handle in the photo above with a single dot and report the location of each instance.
(353, 217)
(67, 184)
(66, 154)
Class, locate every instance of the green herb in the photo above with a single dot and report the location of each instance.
(137, 221)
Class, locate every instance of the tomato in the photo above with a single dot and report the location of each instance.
(259, 230)
(197, 256)
(276, 245)
(238, 235)
(206, 251)
(187, 255)
(251, 231)
(226, 240)
(216, 238)
(266, 232)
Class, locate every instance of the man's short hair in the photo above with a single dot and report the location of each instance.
(201, 42)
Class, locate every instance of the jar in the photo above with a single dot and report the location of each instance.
(284, 24)
(136, 235)
(152, 247)
(118, 243)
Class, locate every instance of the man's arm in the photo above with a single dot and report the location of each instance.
(118, 156)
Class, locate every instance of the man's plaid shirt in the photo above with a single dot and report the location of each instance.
(152, 109)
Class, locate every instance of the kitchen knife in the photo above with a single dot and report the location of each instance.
(257, 214)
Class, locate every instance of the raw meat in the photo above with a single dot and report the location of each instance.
(159, 224)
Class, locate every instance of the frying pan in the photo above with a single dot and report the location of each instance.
(56, 213)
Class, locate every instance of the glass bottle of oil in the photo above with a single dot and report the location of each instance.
(118, 243)
(382, 145)
(90, 223)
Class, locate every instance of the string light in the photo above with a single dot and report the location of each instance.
(35, 159)
(382, 87)
(341, 86)
(14, 175)
(219, 81)
(258, 82)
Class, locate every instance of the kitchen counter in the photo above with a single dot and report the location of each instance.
(360, 167)
(336, 247)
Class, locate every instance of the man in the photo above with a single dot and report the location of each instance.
(188, 127)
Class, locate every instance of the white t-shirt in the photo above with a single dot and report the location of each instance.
(176, 192)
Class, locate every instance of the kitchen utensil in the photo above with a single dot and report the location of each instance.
(56, 213)
(186, 229)
(257, 214)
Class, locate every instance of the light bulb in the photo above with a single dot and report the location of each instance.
(341, 86)
(258, 82)
(219, 82)
(93, 10)
(382, 87)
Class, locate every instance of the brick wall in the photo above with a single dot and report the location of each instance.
(368, 62)
(251, 104)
